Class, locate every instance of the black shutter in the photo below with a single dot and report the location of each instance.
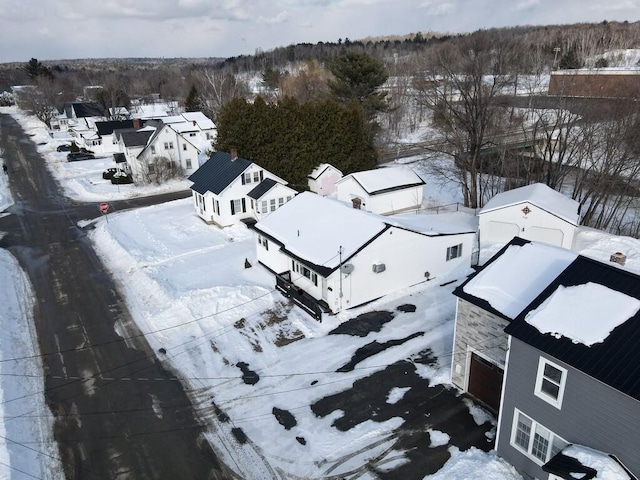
(261, 175)
(233, 210)
(242, 178)
(244, 206)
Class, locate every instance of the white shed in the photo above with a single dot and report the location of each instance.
(384, 191)
(322, 180)
(535, 212)
(345, 257)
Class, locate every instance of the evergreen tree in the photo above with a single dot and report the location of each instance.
(192, 102)
(358, 77)
(36, 69)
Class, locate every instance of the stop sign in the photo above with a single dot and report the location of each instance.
(104, 207)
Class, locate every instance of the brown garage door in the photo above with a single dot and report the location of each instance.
(485, 381)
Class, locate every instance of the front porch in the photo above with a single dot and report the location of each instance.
(312, 306)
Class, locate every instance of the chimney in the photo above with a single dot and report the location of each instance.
(619, 258)
(234, 154)
(136, 123)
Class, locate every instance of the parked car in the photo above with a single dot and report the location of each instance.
(78, 156)
(110, 172)
(64, 148)
(121, 178)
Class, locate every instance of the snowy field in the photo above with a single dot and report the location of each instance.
(238, 346)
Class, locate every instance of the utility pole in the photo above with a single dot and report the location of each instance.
(555, 56)
(340, 273)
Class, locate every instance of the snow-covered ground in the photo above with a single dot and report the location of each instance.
(222, 326)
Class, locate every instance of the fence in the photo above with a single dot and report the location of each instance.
(299, 296)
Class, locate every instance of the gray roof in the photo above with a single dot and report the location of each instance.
(262, 188)
(217, 173)
(133, 138)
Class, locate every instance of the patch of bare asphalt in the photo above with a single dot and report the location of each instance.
(249, 376)
(364, 324)
(423, 407)
(371, 349)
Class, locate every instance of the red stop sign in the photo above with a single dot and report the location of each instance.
(104, 207)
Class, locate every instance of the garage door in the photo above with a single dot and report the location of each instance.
(499, 232)
(547, 235)
(485, 381)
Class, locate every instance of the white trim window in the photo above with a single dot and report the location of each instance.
(305, 272)
(168, 145)
(550, 382)
(534, 440)
(454, 252)
(263, 241)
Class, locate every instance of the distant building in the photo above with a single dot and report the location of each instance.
(596, 83)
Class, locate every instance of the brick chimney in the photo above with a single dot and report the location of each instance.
(136, 123)
(234, 154)
(619, 258)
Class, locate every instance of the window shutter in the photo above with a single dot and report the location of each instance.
(244, 206)
(242, 178)
(261, 175)
(233, 210)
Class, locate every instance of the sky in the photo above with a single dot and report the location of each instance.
(68, 29)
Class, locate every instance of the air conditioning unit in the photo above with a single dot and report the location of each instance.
(378, 267)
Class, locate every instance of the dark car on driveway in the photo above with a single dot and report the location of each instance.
(110, 172)
(64, 148)
(78, 156)
(121, 178)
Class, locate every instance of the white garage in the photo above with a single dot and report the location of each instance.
(534, 212)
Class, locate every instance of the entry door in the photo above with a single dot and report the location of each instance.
(485, 381)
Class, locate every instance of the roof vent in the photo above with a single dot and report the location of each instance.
(619, 258)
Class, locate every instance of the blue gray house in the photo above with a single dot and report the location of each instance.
(572, 377)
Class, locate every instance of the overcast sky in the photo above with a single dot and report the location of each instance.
(65, 29)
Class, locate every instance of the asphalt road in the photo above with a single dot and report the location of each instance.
(118, 412)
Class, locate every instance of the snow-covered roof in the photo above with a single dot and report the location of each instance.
(540, 195)
(385, 179)
(515, 277)
(578, 462)
(204, 122)
(320, 169)
(591, 303)
(443, 224)
(314, 228)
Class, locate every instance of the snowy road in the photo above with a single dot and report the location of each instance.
(118, 413)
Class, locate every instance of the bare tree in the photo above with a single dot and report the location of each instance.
(39, 100)
(462, 88)
(217, 87)
(159, 169)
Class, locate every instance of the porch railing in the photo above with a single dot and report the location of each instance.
(298, 295)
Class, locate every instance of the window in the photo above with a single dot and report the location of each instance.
(288, 198)
(188, 162)
(208, 136)
(263, 241)
(272, 204)
(151, 168)
(280, 202)
(454, 252)
(236, 206)
(256, 177)
(153, 150)
(184, 147)
(534, 440)
(247, 178)
(305, 272)
(550, 382)
(168, 145)
(264, 206)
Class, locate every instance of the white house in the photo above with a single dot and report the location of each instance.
(535, 212)
(322, 180)
(222, 185)
(173, 146)
(384, 191)
(343, 257)
(131, 142)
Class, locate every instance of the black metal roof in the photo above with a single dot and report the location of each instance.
(107, 128)
(616, 360)
(84, 109)
(217, 173)
(135, 138)
(263, 187)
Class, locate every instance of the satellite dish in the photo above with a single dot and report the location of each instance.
(347, 268)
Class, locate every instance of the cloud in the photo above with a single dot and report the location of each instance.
(434, 7)
(280, 18)
(527, 4)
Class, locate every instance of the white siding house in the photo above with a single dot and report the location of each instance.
(534, 212)
(169, 144)
(268, 196)
(221, 187)
(322, 180)
(344, 257)
(384, 191)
